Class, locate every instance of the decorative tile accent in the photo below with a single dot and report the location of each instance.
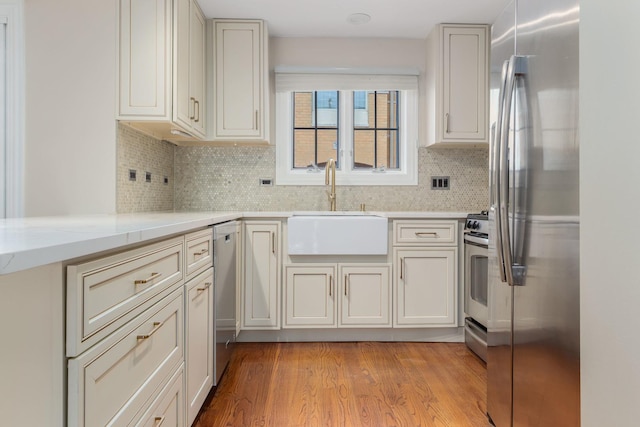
(227, 178)
(144, 154)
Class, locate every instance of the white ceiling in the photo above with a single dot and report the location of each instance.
(328, 18)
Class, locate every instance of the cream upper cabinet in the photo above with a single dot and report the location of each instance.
(460, 56)
(161, 78)
(189, 65)
(261, 275)
(240, 81)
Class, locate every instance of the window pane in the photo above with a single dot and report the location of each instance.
(360, 99)
(327, 146)
(387, 149)
(327, 108)
(303, 109)
(363, 148)
(304, 148)
(327, 99)
(386, 110)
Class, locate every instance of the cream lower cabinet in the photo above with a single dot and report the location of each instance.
(426, 287)
(360, 295)
(167, 409)
(199, 344)
(310, 295)
(261, 275)
(365, 295)
(111, 383)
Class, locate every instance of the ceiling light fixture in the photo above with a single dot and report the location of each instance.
(358, 18)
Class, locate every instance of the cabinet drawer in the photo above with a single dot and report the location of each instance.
(104, 294)
(199, 252)
(168, 408)
(430, 233)
(110, 383)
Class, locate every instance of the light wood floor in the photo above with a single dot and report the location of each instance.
(349, 384)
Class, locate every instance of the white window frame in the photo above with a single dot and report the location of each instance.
(407, 85)
(12, 191)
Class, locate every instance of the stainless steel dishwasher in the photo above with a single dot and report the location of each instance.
(224, 267)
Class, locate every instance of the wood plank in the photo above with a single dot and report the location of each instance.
(349, 384)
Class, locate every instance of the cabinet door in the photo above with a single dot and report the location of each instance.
(365, 294)
(426, 287)
(464, 83)
(197, 85)
(239, 80)
(168, 408)
(189, 84)
(144, 43)
(199, 335)
(310, 295)
(182, 53)
(261, 289)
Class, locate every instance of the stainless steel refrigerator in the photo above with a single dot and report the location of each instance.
(533, 360)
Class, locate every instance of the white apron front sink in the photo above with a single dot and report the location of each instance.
(339, 234)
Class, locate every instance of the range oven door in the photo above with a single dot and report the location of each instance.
(476, 289)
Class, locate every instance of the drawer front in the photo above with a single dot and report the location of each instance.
(199, 252)
(168, 408)
(105, 294)
(429, 233)
(110, 383)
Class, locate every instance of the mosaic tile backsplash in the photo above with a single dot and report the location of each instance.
(227, 178)
(144, 154)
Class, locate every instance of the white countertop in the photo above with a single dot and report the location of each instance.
(31, 242)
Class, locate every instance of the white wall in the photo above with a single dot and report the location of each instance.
(70, 149)
(609, 206)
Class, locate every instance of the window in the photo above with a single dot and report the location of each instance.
(367, 123)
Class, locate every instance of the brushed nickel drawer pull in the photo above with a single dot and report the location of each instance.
(447, 118)
(426, 233)
(401, 265)
(156, 326)
(273, 242)
(346, 284)
(330, 285)
(158, 421)
(198, 115)
(204, 288)
(202, 252)
(148, 279)
(193, 100)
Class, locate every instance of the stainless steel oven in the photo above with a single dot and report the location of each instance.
(476, 289)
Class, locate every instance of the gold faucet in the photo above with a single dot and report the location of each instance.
(330, 168)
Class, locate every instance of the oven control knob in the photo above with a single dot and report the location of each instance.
(475, 225)
(469, 224)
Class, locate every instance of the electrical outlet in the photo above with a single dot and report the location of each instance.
(147, 176)
(132, 175)
(166, 180)
(440, 182)
(266, 182)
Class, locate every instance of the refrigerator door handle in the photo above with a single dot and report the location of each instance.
(516, 67)
(495, 176)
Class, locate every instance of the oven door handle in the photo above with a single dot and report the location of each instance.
(482, 242)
